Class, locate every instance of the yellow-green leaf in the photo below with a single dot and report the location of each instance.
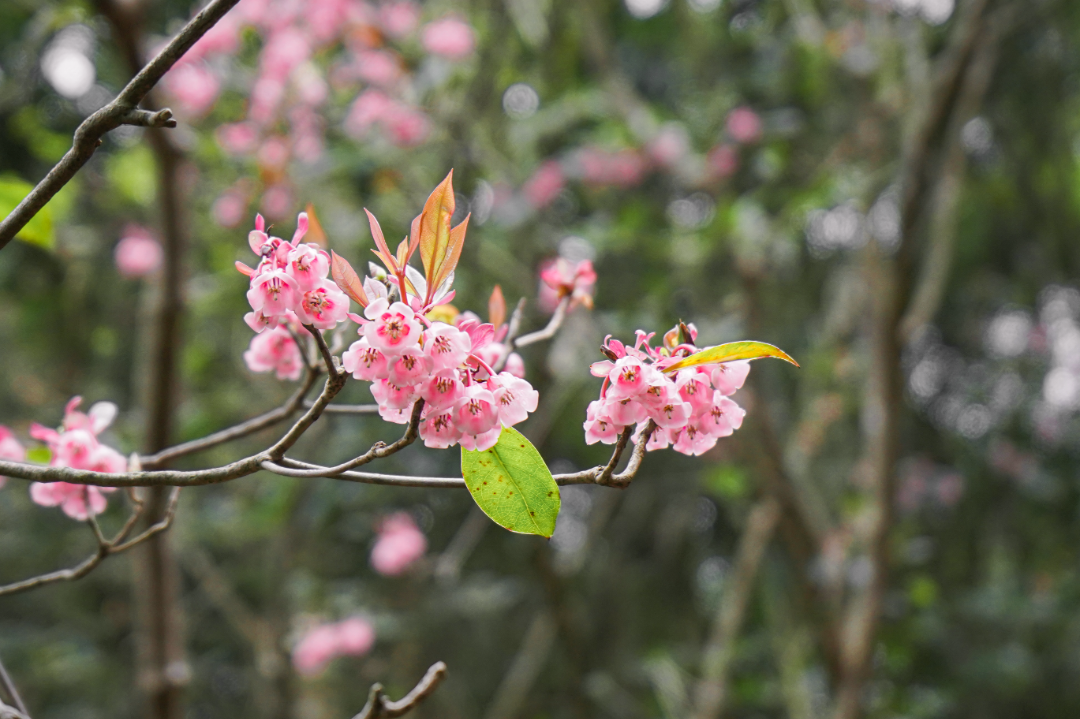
(512, 485)
(39, 230)
(745, 350)
(435, 227)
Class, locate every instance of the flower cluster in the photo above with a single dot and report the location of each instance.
(322, 644)
(76, 445)
(409, 357)
(691, 407)
(288, 287)
(562, 277)
(399, 545)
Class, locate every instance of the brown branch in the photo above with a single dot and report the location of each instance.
(123, 110)
(549, 330)
(379, 707)
(239, 431)
(711, 691)
(324, 350)
(349, 408)
(105, 548)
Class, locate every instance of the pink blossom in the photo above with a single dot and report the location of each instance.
(450, 37)
(443, 389)
(75, 500)
(670, 146)
(393, 327)
(266, 96)
(730, 376)
(406, 126)
(515, 365)
(284, 51)
(628, 379)
(476, 412)
(238, 138)
(368, 108)
(692, 440)
(319, 646)
(399, 545)
(379, 67)
(447, 346)
(409, 367)
(277, 200)
(744, 125)
(545, 184)
(194, 86)
(229, 208)
(393, 397)
(364, 361)
(722, 161)
(138, 254)
(694, 388)
(567, 278)
(598, 429)
(399, 19)
(10, 449)
(323, 307)
(514, 397)
(275, 350)
(273, 292)
(438, 429)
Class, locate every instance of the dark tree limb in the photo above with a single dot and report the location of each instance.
(123, 110)
(379, 707)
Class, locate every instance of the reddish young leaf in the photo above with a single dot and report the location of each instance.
(315, 232)
(453, 252)
(244, 269)
(345, 277)
(382, 251)
(497, 307)
(435, 227)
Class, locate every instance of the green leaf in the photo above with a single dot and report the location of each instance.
(513, 486)
(730, 352)
(133, 174)
(39, 230)
(38, 455)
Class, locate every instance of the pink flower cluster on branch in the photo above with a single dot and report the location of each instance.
(319, 646)
(399, 546)
(691, 407)
(76, 445)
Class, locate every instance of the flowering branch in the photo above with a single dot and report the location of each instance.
(105, 548)
(379, 707)
(123, 110)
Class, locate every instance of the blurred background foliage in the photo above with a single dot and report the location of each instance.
(735, 163)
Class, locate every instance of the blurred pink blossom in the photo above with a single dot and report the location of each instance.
(277, 201)
(137, 254)
(624, 168)
(545, 184)
(399, 19)
(194, 87)
(275, 351)
(238, 138)
(406, 126)
(274, 153)
(561, 278)
(722, 161)
(284, 51)
(744, 125)
(10, 449)
(400, 543)
(379, 67)
(354, 636)
(670, 146)
(449, 37)
(266, 96)
(221, 39)
(230, 208)
(367, 109)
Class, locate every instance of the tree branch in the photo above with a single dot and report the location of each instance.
(549, 331)
(379, 707)
(123, 110)
(12, 692)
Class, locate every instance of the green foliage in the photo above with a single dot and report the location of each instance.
(131, 172)
(39, 230)
(513, 485)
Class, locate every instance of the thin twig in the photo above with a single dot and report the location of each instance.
(379, 707)
(123, 110)
(12, 692)
(324, 350)
(349, 408)
(549, 331)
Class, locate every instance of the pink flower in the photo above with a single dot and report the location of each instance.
(393, 397)
(438, 429)
(514, 397)
(399, 545)
(730, 376)
(275, 350)
(476, 412)
(409, 367)
(77, 501)
(545, 184)
(567, 278)
(722, 161)
(312, 653)
(447, 346)
(194, 86)
(379, 67)
(324, 306)
(229, 208)
(369, 108)
(694, 388)
(744, 125)
(399, 19)
(356, 636)
(693, 441)
(670, 146)
(10, 449)
(628, 378)
(284, 51)
(406, 126)
(273, 292)
(443, 389)
(238, 138)
(393, 327)
(277, 200)
(515, 365)
(722, 418)
(138, 254)
(450, 37)
(598, 429)
(364, 361)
